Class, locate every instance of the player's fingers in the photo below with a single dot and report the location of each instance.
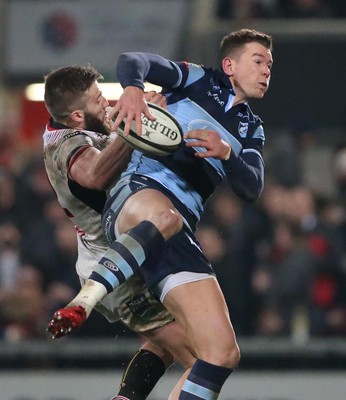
(118, 122)
(129, 119)
(196, 143)
(149, 96)
(157, 98)
(112, 112)
(204, 154)
(138, 123)
(147, 113)
(201, 134)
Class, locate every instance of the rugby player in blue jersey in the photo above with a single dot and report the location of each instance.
(152, 212)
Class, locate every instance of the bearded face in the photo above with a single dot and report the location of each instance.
(94, 124)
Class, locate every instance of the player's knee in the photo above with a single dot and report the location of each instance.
(169, 222)
(234, 356)
(225, 355)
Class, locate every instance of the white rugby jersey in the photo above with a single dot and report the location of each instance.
(61, 147)
(131, 301)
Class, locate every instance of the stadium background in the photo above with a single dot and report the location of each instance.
(281, 262)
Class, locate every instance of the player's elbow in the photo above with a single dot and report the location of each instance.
(255, 193)
(91, 180)
(98, 185)
(100, 182)
(252, 197)
(130, 57)
(249, 193)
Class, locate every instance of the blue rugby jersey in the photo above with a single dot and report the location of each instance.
(199, 98)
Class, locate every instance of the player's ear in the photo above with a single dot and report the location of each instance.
(227, 66)
(77, 116)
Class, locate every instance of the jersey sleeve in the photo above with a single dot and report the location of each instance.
(70, 149)
(245, 173)
(134, 68)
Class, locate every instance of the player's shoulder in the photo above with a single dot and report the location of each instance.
(190, 72)
(249, 125)
(252, 117)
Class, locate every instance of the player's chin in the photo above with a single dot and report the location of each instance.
(261, 92)
(257, 95)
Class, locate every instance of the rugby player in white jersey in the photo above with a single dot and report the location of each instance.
(82, 160)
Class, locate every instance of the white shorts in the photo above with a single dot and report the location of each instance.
(174, 280)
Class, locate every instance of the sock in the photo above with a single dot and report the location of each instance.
(142, 374)
(204, 381)
(127, 254)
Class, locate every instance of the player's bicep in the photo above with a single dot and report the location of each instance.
(80, 165)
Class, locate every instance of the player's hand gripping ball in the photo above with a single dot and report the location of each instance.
(161, 137)
(65, 321)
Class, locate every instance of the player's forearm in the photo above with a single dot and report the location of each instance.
(94, 169)
(134, 68)
(245, 175)
(110, 163)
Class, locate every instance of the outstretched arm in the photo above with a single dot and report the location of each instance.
(133, 69)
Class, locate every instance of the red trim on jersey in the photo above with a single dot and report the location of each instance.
(68, 212)
(50, 128)
(76, 155)
(120, 398)
(79, 231)
(186, 64)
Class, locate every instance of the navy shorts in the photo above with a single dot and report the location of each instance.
(182, 252)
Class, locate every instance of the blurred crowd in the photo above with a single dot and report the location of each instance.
(247, 9)
(281, 262)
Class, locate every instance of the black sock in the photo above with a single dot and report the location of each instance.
(142, 374)
(204, 381)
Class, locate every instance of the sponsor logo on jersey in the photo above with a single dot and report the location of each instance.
(216, 97)
(138, 305)
(109, 264)
(72, 134)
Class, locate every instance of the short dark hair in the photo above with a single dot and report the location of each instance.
(65, 88)
(238, 39)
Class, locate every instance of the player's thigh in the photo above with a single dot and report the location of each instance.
(146, 204)
(172, 338)
(200, 308)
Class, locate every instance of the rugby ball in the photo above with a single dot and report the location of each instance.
(161, 137)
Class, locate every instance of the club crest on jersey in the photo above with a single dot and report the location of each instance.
(243, 128)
